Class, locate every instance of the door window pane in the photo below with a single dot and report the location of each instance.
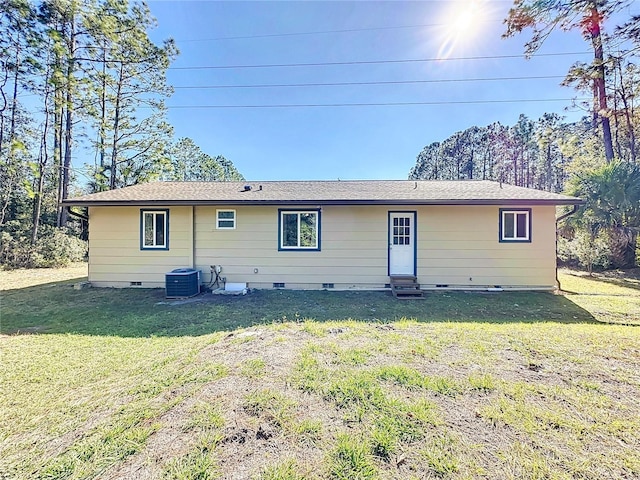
(402, 232)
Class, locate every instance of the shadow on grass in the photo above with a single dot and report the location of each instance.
(58, 308)
(631, 280)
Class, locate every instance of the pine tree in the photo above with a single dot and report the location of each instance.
(586, 15)
(129, 86)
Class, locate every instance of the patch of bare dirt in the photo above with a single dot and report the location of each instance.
(169, 442)
(251, 441)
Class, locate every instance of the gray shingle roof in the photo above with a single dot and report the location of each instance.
(398, 192)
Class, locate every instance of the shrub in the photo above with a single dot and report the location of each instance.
(55, 248)
(586, 250)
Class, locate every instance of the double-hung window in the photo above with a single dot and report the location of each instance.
(299, 229)
(154, 229)
(225, 219)
(515, 225)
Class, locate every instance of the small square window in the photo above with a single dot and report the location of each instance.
(225, 219)
(515, 225)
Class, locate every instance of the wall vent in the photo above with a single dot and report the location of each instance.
(278, 285)
(442, 285)
(328, 285)
(387, 285)
(135, 284)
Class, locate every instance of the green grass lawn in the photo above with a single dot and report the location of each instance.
(103, 383)
(609, 297)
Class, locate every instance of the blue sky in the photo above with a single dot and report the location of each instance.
(349, 142)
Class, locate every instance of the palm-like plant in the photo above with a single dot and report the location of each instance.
(612, 195)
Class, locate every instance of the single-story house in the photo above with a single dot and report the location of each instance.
(326, 234)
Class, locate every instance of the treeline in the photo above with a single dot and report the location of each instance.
(551, 155)
(82, 103)
(531, 153)
(597, 158)
(542, 153)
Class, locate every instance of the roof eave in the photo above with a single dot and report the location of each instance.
(512, 201)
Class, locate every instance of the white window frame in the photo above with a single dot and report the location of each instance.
(219, 220)
(515, 212)
(165, 221)
(282, 213)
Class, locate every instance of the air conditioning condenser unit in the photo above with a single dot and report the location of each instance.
(182, 283)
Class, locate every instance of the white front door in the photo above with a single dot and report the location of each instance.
(402, 239)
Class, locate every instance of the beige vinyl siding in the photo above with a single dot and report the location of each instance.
(115, 257)
(457, 246)
(352, 241)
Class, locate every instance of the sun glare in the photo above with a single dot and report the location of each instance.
(463, 22)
